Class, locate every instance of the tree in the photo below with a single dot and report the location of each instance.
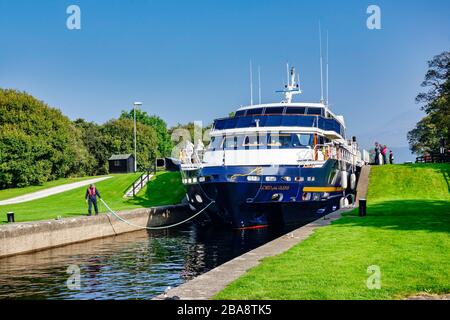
(426, 136)
(94, 142)
(37, 143)
(118, 139)
(164, 143)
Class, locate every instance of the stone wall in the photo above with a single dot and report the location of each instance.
(25, 237)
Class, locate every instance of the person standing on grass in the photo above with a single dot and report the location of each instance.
(391, 157)
(377, 153)
(384, 153)
(91, 199)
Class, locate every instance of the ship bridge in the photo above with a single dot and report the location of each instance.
(309, 115)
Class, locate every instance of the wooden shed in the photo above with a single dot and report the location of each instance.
(121, 163)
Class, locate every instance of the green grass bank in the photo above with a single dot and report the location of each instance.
(16, 192)
(406, 235)
(165, 188)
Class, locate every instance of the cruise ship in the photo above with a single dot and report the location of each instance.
(277, 163)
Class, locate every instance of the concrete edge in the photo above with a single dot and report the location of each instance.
(26, 237)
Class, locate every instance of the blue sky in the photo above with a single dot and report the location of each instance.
(188, 60)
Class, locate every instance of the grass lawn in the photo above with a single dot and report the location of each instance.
(165, 185)
(15, 192)
(406, 234)
(164, 189)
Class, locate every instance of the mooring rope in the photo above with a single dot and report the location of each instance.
(153, 228)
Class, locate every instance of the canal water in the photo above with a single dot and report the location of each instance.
(137, 265)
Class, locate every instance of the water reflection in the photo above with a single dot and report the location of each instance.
(137, 265)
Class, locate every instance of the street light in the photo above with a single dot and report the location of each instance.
(136, 104)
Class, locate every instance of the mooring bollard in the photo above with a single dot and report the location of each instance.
(362, 207)
(10, 216)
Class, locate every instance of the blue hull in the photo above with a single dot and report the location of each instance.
(245, 204)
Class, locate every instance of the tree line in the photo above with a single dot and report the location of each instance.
(39, 143)
(433, 131)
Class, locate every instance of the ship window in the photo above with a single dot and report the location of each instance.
(295, 110)
(216, 143)
(253, 141)
(282, 140)
(231, 142)
(301, 140)
(276, 110)
(314, 111)
(251, 112)
(240, 113)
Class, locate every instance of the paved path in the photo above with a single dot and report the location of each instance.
(50, 191)
(363, 183)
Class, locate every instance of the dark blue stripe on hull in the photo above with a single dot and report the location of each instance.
(243, 203)
(232, 205)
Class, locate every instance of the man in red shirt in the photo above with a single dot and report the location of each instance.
(91, 198)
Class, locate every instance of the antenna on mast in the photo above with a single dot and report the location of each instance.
(327, 73)
(321, 64)
(251, 83)
(259, 84)
(291, 88)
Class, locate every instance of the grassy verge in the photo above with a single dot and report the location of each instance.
(71, 203)
(406, 235)
(164, 189)
(16, 192)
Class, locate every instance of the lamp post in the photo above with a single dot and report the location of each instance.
(136, 104)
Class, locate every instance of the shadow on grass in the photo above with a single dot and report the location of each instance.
(445, 170)
(427, 215)
(164, 189)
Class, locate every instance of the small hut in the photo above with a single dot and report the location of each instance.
(121, 163)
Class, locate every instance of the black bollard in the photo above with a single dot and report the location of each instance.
(10, 216)
(362, 207)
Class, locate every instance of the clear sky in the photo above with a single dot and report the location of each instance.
(188, 60)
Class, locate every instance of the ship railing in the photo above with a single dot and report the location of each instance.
(193, 157)
(323, 152)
